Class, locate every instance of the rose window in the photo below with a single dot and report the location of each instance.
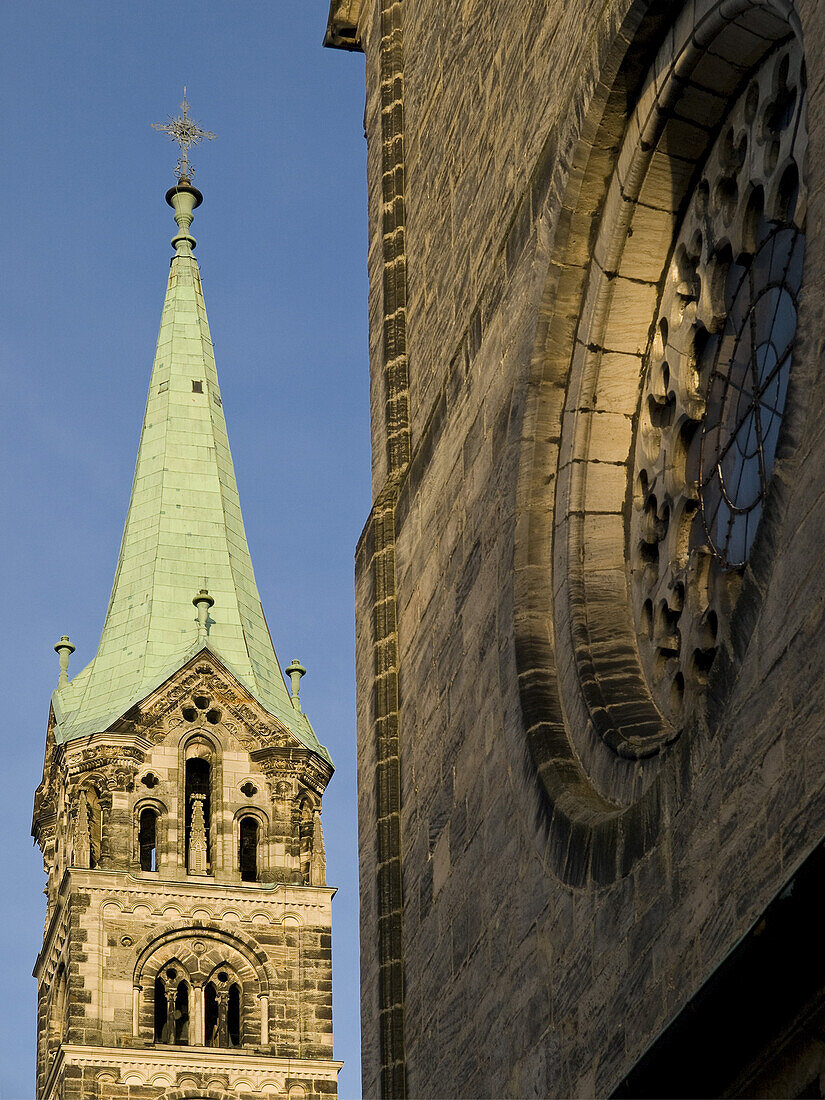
(715, 382)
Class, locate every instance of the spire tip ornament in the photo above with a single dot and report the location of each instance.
(185, 132)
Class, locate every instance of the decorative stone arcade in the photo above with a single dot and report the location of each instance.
(187, 948)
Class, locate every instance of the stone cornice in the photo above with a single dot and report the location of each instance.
(103, 881)
(237, 1065)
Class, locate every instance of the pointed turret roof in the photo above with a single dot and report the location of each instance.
(183, 532)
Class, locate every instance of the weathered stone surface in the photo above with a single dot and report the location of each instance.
(125, 910)
(606, 879)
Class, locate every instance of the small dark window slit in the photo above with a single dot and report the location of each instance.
(249, 849)
(147, 840)
(161, 1012)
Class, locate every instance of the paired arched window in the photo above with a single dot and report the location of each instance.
(189, 1014)
(198, 820)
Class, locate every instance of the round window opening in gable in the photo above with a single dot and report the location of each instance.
(715, 383)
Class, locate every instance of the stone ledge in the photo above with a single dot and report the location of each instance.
(102, 880)
(237, 1065)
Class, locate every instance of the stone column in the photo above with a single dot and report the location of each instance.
(136, 1010)
(264, 1001)
(200, 1017)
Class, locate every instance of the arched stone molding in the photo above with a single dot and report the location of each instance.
(247, 958)
(199, 951)
(192, 931)
(609, 766)
(150, 802)
(161, 1080)
(177, 957)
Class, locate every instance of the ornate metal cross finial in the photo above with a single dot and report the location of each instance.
(186, 132)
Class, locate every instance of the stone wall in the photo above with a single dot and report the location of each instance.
(561, 901)
(115, 926)
(103, 1078)
(169, 962)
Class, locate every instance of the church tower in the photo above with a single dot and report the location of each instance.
(187, 947)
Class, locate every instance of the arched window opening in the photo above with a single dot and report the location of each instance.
(306, 829)
(198, 776)
(233, 1015)
(248, 857)
(147, 839)
(95, 819)
(222, 1011)
(88, 829)
(161, 1012)
(212, 1016)
(171, 1008)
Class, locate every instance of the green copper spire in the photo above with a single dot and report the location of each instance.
(184, 535)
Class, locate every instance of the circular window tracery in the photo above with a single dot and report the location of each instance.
(715, 382)
(608, 759)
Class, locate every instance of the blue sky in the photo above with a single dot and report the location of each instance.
(282, 242)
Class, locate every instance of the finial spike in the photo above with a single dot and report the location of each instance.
(203, 601)
(295, 671)
(186, 132)
(64, 650)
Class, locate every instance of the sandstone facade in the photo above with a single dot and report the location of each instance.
(128, 922)
(579, 791)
